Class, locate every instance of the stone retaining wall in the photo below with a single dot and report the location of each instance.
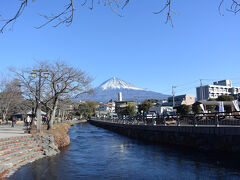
(201, 137)
(46, 142)
(18, 151)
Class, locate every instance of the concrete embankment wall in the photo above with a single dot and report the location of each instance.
(206, 138)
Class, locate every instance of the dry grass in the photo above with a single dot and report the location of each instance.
(59, 132)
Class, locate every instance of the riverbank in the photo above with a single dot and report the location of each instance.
(59, 133)
(207, 138)
(18, 151)
(96, 153)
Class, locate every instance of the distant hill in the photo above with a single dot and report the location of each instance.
(110, 89)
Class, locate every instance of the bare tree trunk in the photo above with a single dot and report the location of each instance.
(58, 115)
(48, 114)
(36, 107)
(63, 115)
(3, 117)
(50, 123)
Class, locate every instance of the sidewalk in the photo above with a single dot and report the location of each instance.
(7, 131)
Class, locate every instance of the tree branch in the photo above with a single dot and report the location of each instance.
(168, 7)
(234, 6)
(67, 14)
(14, 18)
(69, 11)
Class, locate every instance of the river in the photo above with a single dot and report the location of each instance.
(96, 153)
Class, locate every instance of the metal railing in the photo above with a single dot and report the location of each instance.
(200, 119)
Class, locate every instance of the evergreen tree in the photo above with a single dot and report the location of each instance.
(196, 108)
(144, 106)
(183, 109)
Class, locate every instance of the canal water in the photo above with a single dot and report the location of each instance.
(96, 153)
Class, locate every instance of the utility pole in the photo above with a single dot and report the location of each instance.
(173, 95)
(34, 74)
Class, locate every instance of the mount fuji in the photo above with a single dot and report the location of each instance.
(110, 89)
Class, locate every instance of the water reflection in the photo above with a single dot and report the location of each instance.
(96, 153)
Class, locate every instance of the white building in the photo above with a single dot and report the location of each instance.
(160, 109)
(109, 107)
(218, 88)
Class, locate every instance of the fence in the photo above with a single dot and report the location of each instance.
(201, 119)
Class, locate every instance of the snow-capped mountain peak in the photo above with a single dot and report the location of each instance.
(110, 89)
(115, 83)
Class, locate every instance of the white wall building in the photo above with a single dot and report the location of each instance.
(218, 88)
(109, 107)
(160, 109)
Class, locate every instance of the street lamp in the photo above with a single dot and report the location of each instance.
(34, 74)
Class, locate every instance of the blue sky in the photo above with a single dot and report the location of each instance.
(138, 48)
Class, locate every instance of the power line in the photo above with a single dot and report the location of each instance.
(187, 83)
(185, 89)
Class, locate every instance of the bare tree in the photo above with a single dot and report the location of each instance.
(10, 96)
(65, 105)
(64, 82)
(29, 85)
(66, 15)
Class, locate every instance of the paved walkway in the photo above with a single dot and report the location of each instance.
(7, 131)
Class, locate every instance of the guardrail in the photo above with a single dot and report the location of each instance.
(200, 119)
